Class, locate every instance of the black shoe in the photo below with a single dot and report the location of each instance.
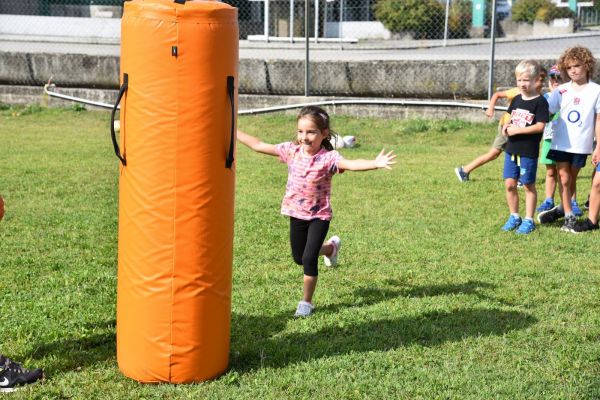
(569, 225)
(13, 375)
(585, 226)
(551, 215)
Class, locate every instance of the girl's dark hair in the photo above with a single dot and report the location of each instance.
(321, 119)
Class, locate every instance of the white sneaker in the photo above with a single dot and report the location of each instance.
(331, 261)
(304, 309)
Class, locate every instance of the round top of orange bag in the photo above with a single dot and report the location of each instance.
(195, 10)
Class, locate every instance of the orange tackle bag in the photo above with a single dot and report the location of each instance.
(178, 99)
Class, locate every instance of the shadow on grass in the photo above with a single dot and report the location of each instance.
(429, 329)
(370, 296)
(256, 342)
(70, 354)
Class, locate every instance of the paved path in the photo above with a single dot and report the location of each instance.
(477, 49)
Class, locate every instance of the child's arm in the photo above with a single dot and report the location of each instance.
(538, 127)
(490, 110)
(596, 153)
(256, 145)
(383, 160)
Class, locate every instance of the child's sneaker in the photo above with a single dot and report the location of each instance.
(569, 225)
(576, 210)
(546, 205)
(512, 223)
(585, 226)
(461, 174)
(304, 309)
(331, 261)
(526, 227)
(553, 214)
(13, 375)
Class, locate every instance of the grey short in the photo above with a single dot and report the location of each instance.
(500, 140)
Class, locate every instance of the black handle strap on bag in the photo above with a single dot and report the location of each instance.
(230, 92)
(112, 119)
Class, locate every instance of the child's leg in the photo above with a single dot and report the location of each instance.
(574, 173)
(587, 203)
(564, 173)
(551, 178)
(312, 235)
(530, 199)
(491, 155)
(326, 249)
(511, 175)
(497, 148)
(528, 173)
(310, 284)
(595, 199)
(298, 237)
(512, 195)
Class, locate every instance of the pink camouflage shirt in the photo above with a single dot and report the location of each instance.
(308, 189)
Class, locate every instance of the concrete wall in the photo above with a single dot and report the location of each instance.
(403, 79)
(441, 79)
(35, 95)
(75, 70)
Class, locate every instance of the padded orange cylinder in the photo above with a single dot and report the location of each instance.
(176, 189)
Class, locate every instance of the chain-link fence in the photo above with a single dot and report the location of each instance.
(400, 48)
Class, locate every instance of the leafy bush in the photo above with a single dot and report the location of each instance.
(459, 19)
(539, 10)
(560, 12)
(423, 19)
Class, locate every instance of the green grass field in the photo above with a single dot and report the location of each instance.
(430, 300)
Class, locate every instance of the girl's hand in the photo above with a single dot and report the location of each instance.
(489, 112)
(385, 160)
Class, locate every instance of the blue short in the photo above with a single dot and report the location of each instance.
(520, 167)
(576, 160)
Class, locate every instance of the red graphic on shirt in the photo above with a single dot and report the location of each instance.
(576, 101)
(562, 91)
(521, 118)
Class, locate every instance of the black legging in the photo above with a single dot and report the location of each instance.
(306, 239)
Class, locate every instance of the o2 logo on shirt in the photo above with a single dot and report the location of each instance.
(574, 117)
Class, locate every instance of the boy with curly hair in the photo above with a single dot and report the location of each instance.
(578, 102)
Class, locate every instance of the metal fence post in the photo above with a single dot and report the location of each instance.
(292, 21)
(316, 21)
(266, 20)
(493, 48)
(307, 59)
(446, 22)
(340, 31)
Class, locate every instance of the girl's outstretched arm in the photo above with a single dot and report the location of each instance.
(256, 145)
(383, 160)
